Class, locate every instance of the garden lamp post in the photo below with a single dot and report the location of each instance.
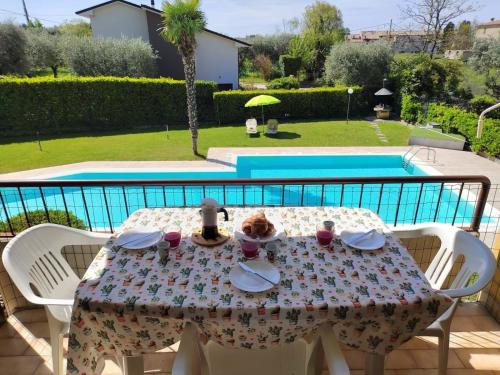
(350, 91)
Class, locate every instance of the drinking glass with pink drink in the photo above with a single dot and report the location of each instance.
(173, 236)
(250, 249)
(324, 233)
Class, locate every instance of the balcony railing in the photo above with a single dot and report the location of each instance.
(465, 201)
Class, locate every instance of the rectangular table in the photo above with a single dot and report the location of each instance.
(129, 303)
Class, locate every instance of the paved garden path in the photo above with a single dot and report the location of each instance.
(378, 132)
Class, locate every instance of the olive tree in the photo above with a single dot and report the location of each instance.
(486, 59)
(12, 49)
(358, 64)
(109, 57)
(44, 50)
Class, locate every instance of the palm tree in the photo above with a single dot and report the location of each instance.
(182, 20)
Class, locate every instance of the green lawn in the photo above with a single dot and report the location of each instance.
(252, 79)
(22, 155)
(435, 133)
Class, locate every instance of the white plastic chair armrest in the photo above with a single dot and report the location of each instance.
(87, 238)
(100, 238)
(335, 360)
(418, 230)
(463, 292)
(51, 301)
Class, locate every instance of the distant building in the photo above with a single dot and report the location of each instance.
(457, 54)
(402, 41)
(489, 29)
(365, 36)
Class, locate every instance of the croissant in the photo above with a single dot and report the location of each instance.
(257, 226)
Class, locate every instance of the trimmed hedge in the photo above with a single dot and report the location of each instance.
(325, 102)
(36, 217)
(454, 119)
(73, 104)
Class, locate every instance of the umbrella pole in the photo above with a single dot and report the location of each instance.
(263, 120)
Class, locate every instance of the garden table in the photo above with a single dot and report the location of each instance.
(130, 303)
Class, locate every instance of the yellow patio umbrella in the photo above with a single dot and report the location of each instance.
(261, 101)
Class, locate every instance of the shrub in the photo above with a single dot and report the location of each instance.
(264, 65)
(36, 217)
(275, 73)
(479, 103)
(73, 104)
(411, 109)
(490, 139)
(358, 64)
(322, 102)
(454, 119)
(270, 45)
(284, 83)
(76, 28)
(302, 47)
(424, 77)
(247, 67)
(110, 57)
(290, 65)
(12, 49)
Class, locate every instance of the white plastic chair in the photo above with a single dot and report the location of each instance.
(298, 358)
(251, 125)
(478, 258)
(272, 127)
(35, 264)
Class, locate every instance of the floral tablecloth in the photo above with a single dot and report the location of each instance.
(130, 302)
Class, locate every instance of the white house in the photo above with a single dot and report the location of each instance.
(216, 54)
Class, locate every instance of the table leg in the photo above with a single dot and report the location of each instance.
(374, 364)
(133, 365)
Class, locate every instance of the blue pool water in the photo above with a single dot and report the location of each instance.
(107, 207)
(294, 166)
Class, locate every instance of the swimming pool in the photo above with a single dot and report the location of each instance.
(104, 207)
(276, 166)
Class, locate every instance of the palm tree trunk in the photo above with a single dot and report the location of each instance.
(190, 74)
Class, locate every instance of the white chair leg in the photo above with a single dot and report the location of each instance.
(56, 343)
(374, 364)
(187, 359)
(337, 365)
(315, 358)
(444, 346)
(133, 365)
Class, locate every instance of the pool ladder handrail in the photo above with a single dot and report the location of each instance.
(406, 161)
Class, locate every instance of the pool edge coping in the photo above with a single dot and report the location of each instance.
(224, 161)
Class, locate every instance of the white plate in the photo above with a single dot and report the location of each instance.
(139, 238)
(249, 282)
(373, 242)
(279, 231)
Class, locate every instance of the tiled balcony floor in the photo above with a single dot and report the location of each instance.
(475, 348)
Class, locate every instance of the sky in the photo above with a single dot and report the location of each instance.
(243, 17)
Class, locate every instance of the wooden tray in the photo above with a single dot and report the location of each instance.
(198, 239)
